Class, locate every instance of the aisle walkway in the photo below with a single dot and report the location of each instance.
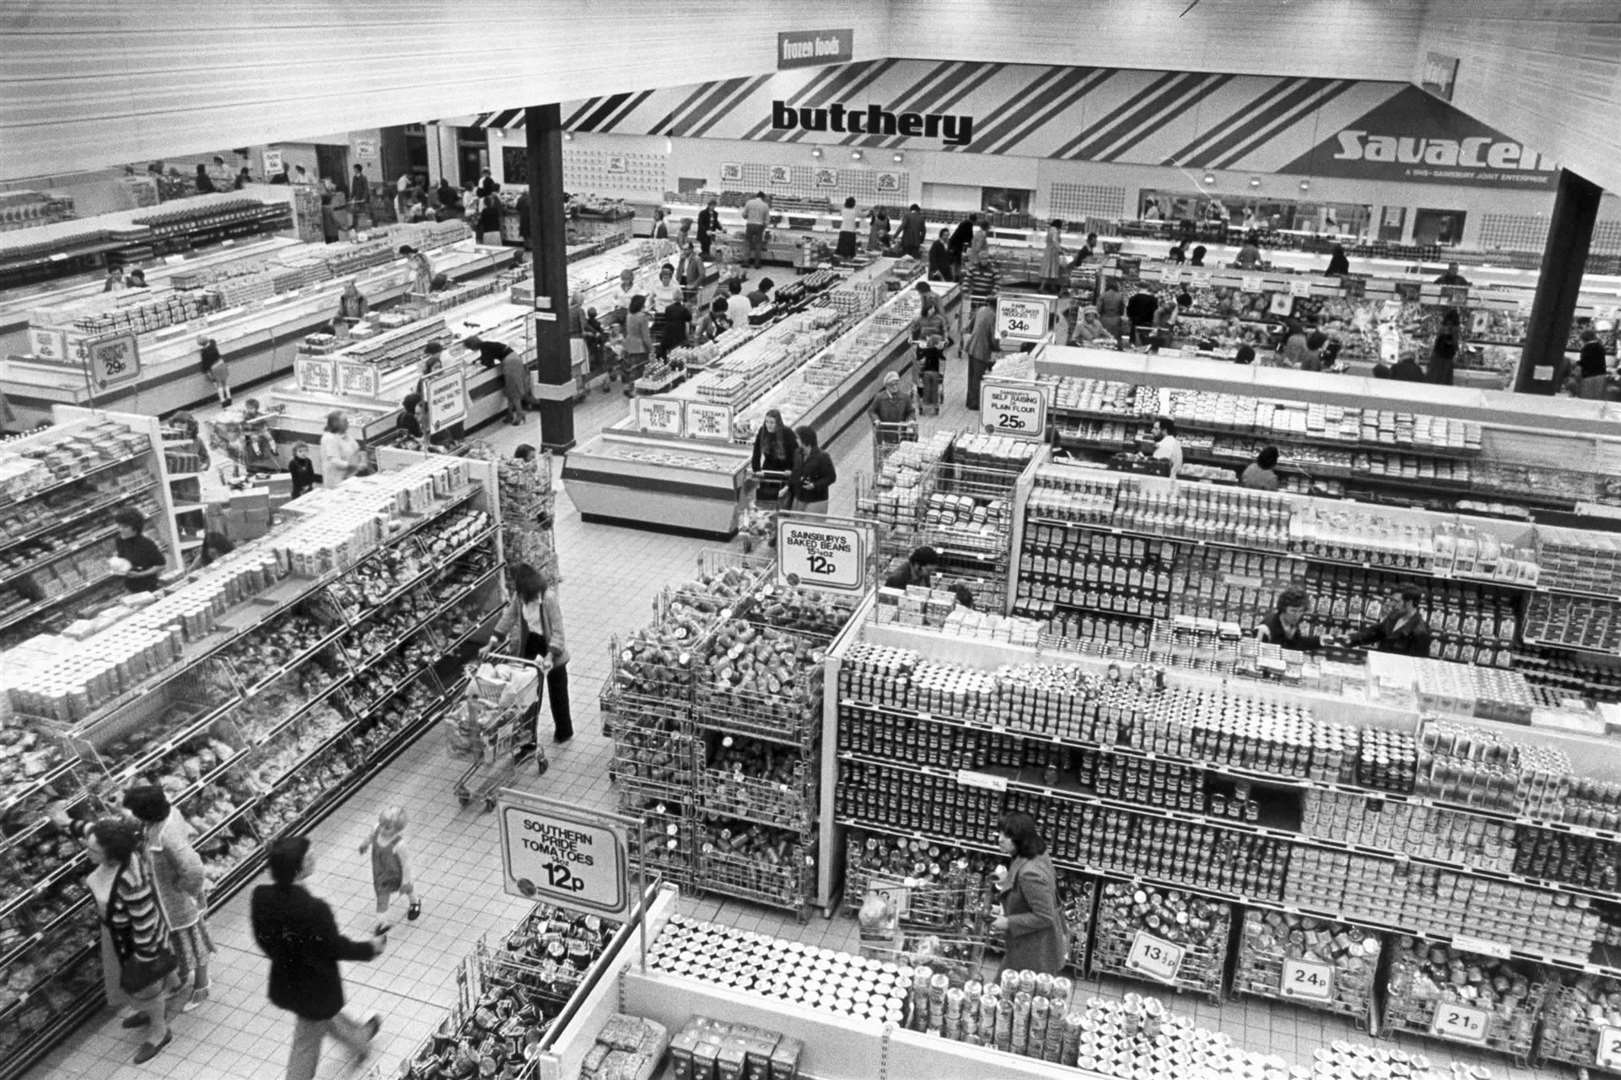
(609, 577)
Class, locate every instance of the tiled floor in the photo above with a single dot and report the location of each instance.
(609, 577)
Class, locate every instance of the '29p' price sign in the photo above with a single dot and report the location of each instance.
(821, 556)
(559, 853)
(1307, 980)
(1459, 1023)
(1154, 957)
(1019, 410)
(1023, 318)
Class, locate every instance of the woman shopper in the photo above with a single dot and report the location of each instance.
(1444, 353)
(813, 474)
(848, 218)
(1037, 939)
(775, 450)
(532, 627)
(143, 559)
(1112, 309)
(182, 886)
(341, 455)
(1052, 257)
(638, 343)
(932, 336)
(137, 962)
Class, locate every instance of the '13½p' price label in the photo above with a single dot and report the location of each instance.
(1307, 980)
(1154, 957)
(1459, 1022)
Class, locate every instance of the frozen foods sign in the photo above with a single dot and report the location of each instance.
(808, 48)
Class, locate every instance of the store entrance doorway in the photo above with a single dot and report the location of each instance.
(332, 163)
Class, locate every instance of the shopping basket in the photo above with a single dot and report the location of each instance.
(495, 719)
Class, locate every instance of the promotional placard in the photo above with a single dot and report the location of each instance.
(273, 163)
(358, 379)
(1154, 957)
(1307, 980)
(1299, 287)
(557, 852)
(447, 400)
(50, 346)
(821, 555)
(1250, 283)
(113, 360)
(1459, 1022)
(1609, 1049)
(315, 374)
(1455, 295)
(1355, 288)
(708, 421)
(1022, 317)
(661, 415)
(1016, 409)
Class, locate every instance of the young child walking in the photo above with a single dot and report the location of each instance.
(390, 865)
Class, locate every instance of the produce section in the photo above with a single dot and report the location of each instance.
(259, 694)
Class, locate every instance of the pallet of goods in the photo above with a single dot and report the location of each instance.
(1446, 993)
(1309, 962)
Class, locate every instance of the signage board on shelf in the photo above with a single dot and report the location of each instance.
(1023, 316)
(810, 48)
(1459, 1023)
(1015, 409)
(49, 346)
(708, 421)
(980, 780)
(821, 554)
(1299, 286)
(447, 400)
(315, 374)
(1307, 980)
(1455, 295)
(113, 360)
(274, 163)
(1608, 1055)
(1129, 266)
(1355, 288)
(559, 853)
(1464, 943)
(1199, 279)
(661, 415)
(366, 147)
(1250, 283)
(357, 379)
(1154, 957)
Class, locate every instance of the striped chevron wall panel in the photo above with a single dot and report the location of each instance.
(1189, 120)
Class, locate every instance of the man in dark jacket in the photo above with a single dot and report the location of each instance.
(961, 237)
(300, 936)
(708, 226)
(1402, 630)
(913, 229)
(940, 258)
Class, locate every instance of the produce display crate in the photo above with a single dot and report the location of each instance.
(1444, 993)
(670, 839)
(811, 614)
(780, 695)
(780, 874)
(1575, 1016)
(1124, 910)
(947, 887)
(1078, 903)
(786, 804)
(1328, 966)
(650, 761)
(650, 684)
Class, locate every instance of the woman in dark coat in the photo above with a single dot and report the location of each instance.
(1037, 939)
(775, 449)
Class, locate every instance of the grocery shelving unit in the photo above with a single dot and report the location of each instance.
(287, 692)
(1339, 837)
(58, 533)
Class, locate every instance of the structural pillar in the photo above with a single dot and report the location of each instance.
(543, 125)
(1564, 259)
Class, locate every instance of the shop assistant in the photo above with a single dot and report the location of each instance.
(1282, 627)
(1402, 630)
(919, 569)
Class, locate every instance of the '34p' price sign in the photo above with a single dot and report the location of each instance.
(1016, 409)
(1023, 318)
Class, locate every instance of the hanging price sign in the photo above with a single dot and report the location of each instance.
(1459, 1023)
(1023, 318)
(1307, 980)
(559, 853)
(706, 420)
(1016, 409)
(823, 556)
(660, 415)
(1609, 1049)
(113, 360)
(1154, 957)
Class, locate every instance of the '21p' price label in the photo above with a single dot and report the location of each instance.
(1307, 980)
(1154, 957)
(1459, 1023)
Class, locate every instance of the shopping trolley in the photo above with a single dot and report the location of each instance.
(942, 925)
(495, 718)
(886, 437)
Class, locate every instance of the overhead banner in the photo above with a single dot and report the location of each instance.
(1177, 119)
(808, 48)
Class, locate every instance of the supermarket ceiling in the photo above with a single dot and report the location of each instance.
(90, 83)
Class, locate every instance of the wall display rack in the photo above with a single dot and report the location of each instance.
(260, 694)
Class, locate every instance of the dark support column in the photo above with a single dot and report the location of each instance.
(1570, 232)
(543, 125)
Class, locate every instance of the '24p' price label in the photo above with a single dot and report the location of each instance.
(1459, 1023)
(1154, 957)
(1307, 980)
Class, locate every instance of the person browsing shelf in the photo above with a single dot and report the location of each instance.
(1261, 474)
(1282, 627)
(1167, 447)
(142, 559)
(1402, 629)
(917, 570)
(1036, 938)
